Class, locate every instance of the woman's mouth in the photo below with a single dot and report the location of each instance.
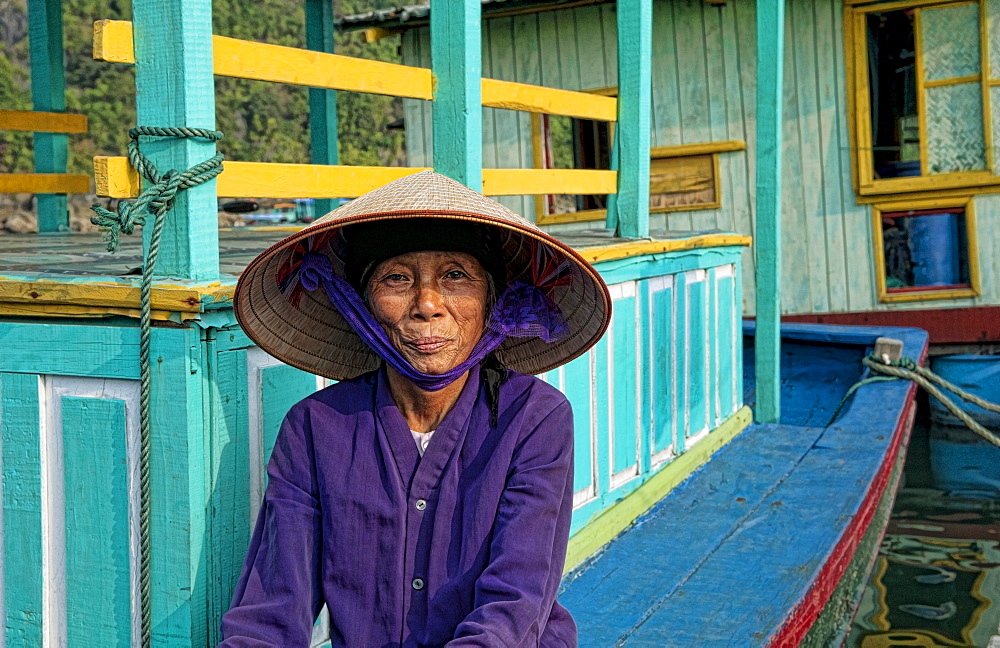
(428, 344)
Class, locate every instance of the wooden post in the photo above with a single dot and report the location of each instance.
(770, 64)
(456, 61)
(322, 103)
(635, 38)
(48, 93)
(175, 86)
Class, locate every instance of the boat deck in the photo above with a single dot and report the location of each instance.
(748, 550)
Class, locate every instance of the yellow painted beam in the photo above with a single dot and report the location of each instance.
(639, 248)
(117, 179)
(42, 122)
(539, 99)
(97, 297)
(87, 312)
(610, 522)
(44, 183)
(113, 41)
(535, 182)
(264, 62)
(250, 60)
(697, 149)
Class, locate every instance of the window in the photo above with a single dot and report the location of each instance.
(566, 143)
(682, 178)
(925, 250)
(922, 77)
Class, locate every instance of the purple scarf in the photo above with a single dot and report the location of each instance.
(522, 310)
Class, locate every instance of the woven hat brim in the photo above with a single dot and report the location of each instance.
(312, 335)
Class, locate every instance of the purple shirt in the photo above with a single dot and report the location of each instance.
(463, 547)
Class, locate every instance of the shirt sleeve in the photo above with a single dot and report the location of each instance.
(278, 594)
(515, 593)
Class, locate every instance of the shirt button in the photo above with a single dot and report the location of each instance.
(418, 583)
(421, 504)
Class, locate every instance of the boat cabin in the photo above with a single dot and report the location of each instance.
(888, 180)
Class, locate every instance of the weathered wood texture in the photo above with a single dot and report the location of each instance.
(322, 103)
(694, 564)
(456, 61)
(175, 87)
(768, 250)
(704, 86)
(48, 93)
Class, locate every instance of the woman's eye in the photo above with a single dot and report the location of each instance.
(395, 277)
(456, 274)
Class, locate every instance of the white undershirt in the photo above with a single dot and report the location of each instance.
(422, 439)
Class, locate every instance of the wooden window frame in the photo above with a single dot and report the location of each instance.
(954, 184)
(541, 216)
(655, 153)
(886, 296)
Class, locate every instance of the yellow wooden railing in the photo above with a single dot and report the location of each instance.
(263, 62)
(43, 183)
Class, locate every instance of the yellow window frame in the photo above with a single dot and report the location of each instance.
(930, 294)
(541, 216)
(870, 189)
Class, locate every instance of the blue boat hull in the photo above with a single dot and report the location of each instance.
(770, 542)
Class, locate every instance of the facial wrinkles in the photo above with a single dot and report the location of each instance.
(431, 306)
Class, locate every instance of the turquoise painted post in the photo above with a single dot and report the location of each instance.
(175, 87)
(48, 93)
(456, 61)
(322, 103)
(635, 46)
(767, 350)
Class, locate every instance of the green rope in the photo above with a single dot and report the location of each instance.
(156, 200)
(907, 369)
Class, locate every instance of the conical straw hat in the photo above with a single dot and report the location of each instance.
(303, 329)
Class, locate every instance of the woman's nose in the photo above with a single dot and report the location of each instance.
(428, 303)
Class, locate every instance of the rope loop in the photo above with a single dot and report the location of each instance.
(159, 196)
(907, 369)
(155, 201)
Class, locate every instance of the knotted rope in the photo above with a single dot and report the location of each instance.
(156, 200)
(907, 369)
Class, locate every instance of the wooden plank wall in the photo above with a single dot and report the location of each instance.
(703, 91)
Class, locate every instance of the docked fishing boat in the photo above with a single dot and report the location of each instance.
(771, 542)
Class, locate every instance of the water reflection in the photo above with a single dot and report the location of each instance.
(936, 581)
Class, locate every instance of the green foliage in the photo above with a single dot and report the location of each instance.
(262, 122)
(15, 147)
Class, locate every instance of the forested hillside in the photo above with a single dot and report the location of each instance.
(262, 122)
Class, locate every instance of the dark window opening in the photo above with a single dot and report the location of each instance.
(569, 143)
(892, 80)
(925, 250)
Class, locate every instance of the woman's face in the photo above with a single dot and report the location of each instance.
(432, 306)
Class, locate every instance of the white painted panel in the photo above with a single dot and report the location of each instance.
(587, 494)
(257, 362)
(692, 277)
(51, 391)
(658, 285)
(618, 292)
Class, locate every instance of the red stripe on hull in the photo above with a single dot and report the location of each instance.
(805, 614)
(945, 325)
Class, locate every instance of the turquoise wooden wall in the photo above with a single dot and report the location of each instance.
(704, 91)
(667, 373)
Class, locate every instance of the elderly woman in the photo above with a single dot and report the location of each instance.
(425, 498)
